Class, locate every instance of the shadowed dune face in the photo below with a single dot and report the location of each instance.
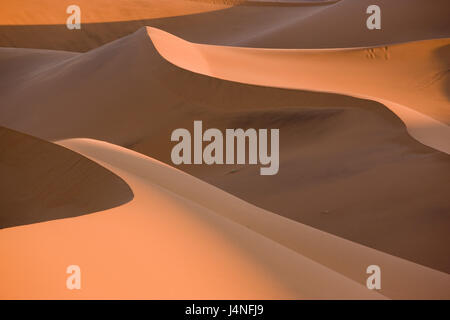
(41, 181)
(348, 166)
(340, 24)
(443, 78)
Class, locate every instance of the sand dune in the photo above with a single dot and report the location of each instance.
(331, 145)
(374, 73)
(48, 12)
(102, 21)
(341, 24)
(42, 181)
(364, 149)
(162, 245)
(226, 252)
(340, 255)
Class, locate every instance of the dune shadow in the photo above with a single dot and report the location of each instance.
(443, 54)
(41, 181)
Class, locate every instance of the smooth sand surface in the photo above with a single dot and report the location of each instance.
(42, 181)
(162, 245)
(48, 12)
(392, 74)
(101, 21)
(335, 25)
(343, 25)
(182, 238)
(347, 163)
(345, 257)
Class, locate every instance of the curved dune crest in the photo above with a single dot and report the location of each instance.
(41, 181)
(375, 73)
(163, 245)
(343, 256)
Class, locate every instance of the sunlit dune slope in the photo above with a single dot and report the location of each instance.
(222, 251)
(41, 181)
(342, 256)
(42, 23)
(330, 146)
(326, 25)
(413, 75)
(48, 12)
(161, 245)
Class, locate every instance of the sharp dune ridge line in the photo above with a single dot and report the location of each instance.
(321, 70)
(337, 254)
(41, 181)
(161, 245)
(183, 238)
(257, 254)
(229, 248)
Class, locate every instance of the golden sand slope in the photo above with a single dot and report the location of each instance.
(41, 181)
(162, 245)
(42, 23)
(341, 24)
(402, 76)
(196, 242)
(48, 12)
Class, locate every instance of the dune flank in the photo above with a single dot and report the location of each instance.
(51, 12)
(331, 144)
(102, 21)
(373, 73)
(328, 25)
(222, 252)
(342, 256)
(161, 245)
(42, 181)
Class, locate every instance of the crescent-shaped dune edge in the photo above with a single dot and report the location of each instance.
(377, 74)
(42, 181)
(182, 238)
